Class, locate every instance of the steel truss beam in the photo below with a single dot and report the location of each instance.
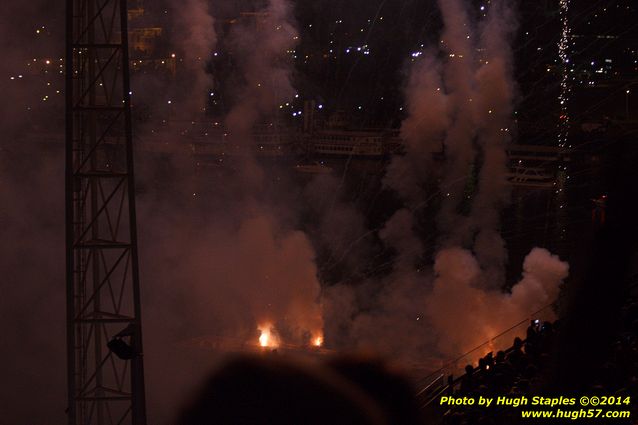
(104, 333)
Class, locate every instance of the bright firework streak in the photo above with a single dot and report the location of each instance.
(565, 87)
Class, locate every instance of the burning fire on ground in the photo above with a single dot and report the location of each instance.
(268, 337)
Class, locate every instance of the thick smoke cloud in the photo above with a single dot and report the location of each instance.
(459, 98)
(494, 110)
(347, 250)
(222, 267)
(288, 296)
(32, 347)
(463, 103)
(210, 273)
(423, 130)
(195, 38)
(226, 258)
(468, 315)
(32, 284)
(262, 48)
(458, 75)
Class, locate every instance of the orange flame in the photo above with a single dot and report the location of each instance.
(317, 341)
(267, 338)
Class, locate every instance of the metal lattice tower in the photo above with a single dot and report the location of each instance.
(104, 333)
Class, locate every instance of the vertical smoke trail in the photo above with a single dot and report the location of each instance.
(274, 264)
(262, 51)
(479, 99)
(261, 46)
(460, 305)
(464, 315)
(458, 43)
(197, 40)
(239, 266)
(422, 131)
(494, 107)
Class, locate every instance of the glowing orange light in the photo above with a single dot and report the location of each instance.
(317, 341)
(264, 338)
(267, 338)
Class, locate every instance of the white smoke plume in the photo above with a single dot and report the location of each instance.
(196, 39)
(289, 295)
(470, 100)
(241, 272)
(231, 262)
(213, 272)
(387, 315)
(494, 109)
(262, 44)
(222, 269)
(464, 101)
(246, 264)
(465, 315)
(458, 76)
(422, 131)
(420, 315)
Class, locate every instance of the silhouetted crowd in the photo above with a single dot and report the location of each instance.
(525, 369)
(257, 389)
(513, 372)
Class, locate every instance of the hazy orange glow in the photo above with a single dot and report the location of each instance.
(267, 338)
(263, 339)
(317, 341)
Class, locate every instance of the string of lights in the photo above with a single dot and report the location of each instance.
(564, 46)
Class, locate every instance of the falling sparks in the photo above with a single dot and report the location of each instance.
(565, 88)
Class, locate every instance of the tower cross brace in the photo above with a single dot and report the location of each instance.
(105, 373)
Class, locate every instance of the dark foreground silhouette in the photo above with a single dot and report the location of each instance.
(271, 390)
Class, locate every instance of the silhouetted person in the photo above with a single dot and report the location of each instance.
(467, 381)
(515, 357)
(389, 389)
(489, 361)
(255, 390)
